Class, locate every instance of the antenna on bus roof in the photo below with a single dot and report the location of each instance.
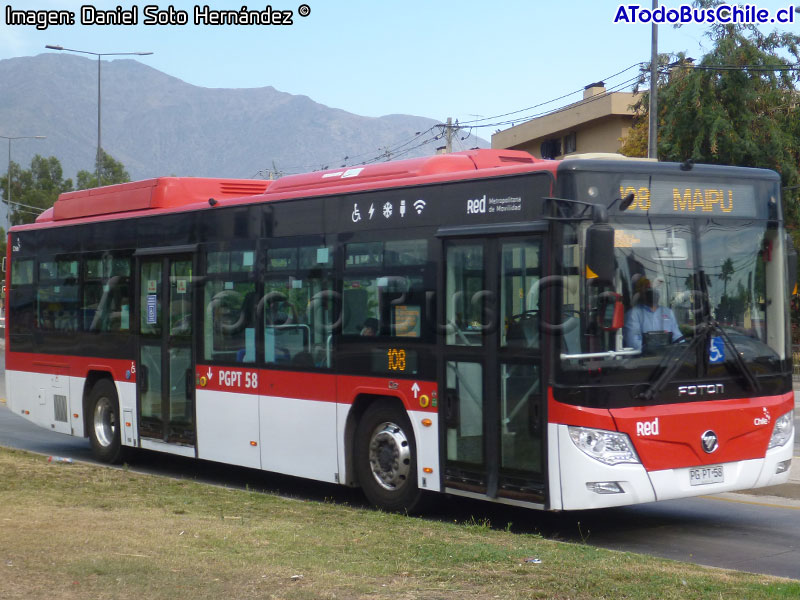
(212, 202)
(687, 164)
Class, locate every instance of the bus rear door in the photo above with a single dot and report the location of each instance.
(165, 381)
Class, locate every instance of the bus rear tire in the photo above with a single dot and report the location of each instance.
(104, 423)
(386, 458)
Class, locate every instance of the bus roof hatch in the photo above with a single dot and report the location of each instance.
(163, 192)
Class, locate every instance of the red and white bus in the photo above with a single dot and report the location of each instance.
(472, 324)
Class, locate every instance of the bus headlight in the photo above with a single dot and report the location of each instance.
(609, 447)
(782, 432)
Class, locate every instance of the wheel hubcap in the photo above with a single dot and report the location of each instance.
(389, 456)
(105, 422)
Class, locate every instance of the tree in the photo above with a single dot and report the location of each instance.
(111, 172)
(726, 274)
(737, 106)
(34, 190)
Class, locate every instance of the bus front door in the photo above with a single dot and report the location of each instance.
(165, 381)
(491, 369)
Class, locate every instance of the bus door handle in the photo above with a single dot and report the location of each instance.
(452, 410)
(144, 379)
(189, 384)
(534, 415)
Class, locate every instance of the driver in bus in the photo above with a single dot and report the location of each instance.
(647, 316)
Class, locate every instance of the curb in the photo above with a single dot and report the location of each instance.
(789, 490)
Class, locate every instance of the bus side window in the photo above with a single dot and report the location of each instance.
(57, 297)
(383, 293)
(297, 311)
(21, 307)
(106, 294)
(229, 297)
(357, 301)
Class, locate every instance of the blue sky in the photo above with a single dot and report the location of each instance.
(434, 58)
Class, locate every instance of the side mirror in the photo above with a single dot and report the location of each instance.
(600, 254)
(610, 311)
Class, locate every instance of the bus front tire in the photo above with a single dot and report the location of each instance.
(105, 423)
(386, 458)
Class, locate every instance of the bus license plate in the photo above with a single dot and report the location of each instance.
(706, 475)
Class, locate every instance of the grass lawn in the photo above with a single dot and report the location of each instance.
(82, 531)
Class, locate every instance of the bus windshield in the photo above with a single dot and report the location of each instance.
(695, 297)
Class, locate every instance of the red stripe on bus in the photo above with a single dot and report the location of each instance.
(416, 395)
(121, 369)
(568, 414)
(321, 387)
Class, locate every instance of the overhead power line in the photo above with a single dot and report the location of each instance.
(419, 139)
(567, 95)
(423, 138)
(37, 208)
(764, 68)
(583, 102)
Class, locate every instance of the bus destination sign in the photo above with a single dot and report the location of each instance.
(690, 197)
(394, 361)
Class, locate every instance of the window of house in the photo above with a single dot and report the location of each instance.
(570, 142)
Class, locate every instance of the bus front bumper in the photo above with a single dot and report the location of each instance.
(586, 483)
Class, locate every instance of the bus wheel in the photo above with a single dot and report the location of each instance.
(386, 460)
(104, 430)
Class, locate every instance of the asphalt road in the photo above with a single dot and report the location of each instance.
(760, 534)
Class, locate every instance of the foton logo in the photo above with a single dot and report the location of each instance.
(709, 441)
(701, 390)
(647, 428)
(762, 420)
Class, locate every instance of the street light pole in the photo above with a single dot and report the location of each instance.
(97, 160)
(652, 136)
(99, 55)
(8, 173)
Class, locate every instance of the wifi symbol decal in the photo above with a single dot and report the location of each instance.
(419, 206)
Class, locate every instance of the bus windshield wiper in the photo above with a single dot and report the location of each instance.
(675, 361)
(702, 333)
(743, 368)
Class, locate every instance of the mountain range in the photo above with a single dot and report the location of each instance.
(157, 125)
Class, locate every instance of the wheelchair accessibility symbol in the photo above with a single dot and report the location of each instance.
(356, 214)
(716, 350)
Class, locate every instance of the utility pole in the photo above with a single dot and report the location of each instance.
(449, 136)
(652, 136)
(8, 173)
(449, 130)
